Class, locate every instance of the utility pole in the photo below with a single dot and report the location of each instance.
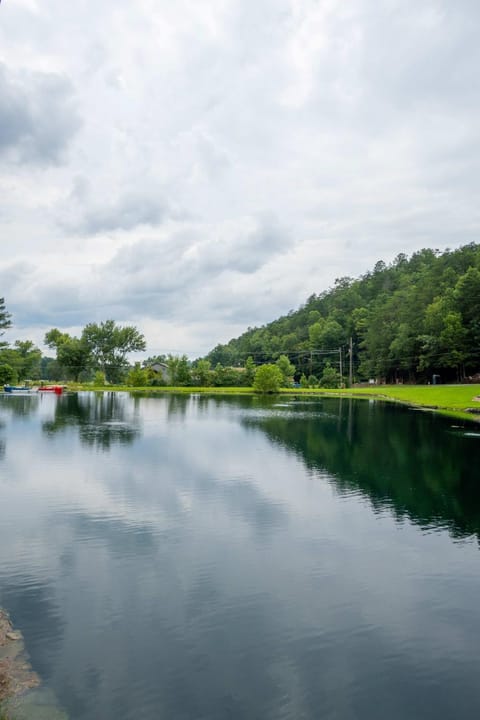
(341, 365)
(350, 364)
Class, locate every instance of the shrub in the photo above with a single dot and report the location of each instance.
(268, 379)
(138, 376)
(99, 378)
(330, 377)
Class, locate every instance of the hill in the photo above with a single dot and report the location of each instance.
(405, 322)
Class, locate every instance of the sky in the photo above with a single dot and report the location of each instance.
(195, 168)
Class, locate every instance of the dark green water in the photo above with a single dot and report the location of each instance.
(193, 558)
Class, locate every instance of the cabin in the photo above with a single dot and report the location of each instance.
(160, 369)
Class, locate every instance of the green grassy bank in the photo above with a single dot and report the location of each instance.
(452, 400)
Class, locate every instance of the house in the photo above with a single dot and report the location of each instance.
(160, 369)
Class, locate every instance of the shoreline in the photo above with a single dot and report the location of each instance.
(456, 401)
(461, 402)
(16, 673)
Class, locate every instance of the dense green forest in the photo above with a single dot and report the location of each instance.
(405, 322)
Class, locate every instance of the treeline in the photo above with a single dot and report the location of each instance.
(99, 354)
(404, 322)
(178, 371)
(22, 359)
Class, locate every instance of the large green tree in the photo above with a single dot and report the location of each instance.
(24, 359)
(7, 374)
(287, 369)
(29, 359)
(74, 355)
(109, 345)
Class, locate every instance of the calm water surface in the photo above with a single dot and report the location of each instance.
(193, 558)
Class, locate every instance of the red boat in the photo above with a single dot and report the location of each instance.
(57, 389)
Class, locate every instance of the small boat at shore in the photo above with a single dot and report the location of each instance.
(17, 389)
(57, 389)
(21, 390)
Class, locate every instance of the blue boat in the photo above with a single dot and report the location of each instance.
(16, 389)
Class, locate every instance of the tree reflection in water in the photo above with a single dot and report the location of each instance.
(415, 464)
(102, 419)
(19, 405)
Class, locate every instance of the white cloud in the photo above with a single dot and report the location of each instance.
(196, 168)
(37, 117)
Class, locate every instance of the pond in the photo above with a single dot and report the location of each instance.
(203, 558)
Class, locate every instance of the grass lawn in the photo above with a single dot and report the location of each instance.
(447, 399)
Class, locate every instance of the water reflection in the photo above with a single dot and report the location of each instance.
(102, 419)
(402, 460)
(19, 405)
(40, 616)
(177, 406)
(14, 406)
(227, 564)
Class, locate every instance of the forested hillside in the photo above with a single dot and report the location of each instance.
(405, 321)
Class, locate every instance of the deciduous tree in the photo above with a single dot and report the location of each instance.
(249, 371)
(30, 357)
(201, 373)
(109, 345)
(287, 369)
(74, 355)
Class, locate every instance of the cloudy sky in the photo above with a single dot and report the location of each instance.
(195, 167)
